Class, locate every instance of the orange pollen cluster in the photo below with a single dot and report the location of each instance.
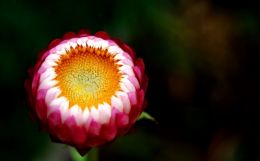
(87, 76)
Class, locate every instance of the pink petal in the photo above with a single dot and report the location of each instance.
(35, 83)
(108, 131)
(83, 32)
(41, 109)
(122, 119)
(129, 50)
(62, 133)
(54, 43)
(145, 83)
(138, 73)
(132, 98)
(77, 133)
(140, 63)
(69, 35)
(40, 56)
(102, 35)
(134, 81)
(94, 128)
(140, 96)
(54, 119)
(126, 102)
(137, 109)
(139, 69)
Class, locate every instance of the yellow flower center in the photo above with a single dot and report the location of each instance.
(87, 76)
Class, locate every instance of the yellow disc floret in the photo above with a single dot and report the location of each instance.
(87, 76)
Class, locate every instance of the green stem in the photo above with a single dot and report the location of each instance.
(92, 155)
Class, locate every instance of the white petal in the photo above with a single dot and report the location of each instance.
(48, 64)
(80, 42)
(128, 62)
(127, 70)
(67, 46)
(125, 62)
(123, 87)
(57, 101)
(97, 43)
(113, 50)
(104, 113)
(85, 115)
(47, 84)
(49, 73)
(134, 81)
(74, 110)
(94, 113)
(77, 113)
(128, 84)
(55, 104)
(64, 108)
(61, 49)
(84, 41)
(104, 44)
(100, 43)
(53, 57)
(72, 44)
(52, 93)
(90, 43)
(117, 103)
(125, 101)
(119, 57)
(120, 62)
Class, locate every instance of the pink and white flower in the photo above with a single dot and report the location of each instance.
(86, 90)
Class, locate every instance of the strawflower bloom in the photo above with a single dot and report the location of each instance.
(85, 90)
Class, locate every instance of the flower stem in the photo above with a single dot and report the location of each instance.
(92, 155)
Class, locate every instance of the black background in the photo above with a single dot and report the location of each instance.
(202, 59)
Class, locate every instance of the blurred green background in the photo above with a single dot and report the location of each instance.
(201, 56)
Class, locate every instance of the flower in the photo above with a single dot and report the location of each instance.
(86, 90)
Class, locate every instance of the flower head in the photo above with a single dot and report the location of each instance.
(86, 90)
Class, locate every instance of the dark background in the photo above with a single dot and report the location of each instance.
(201, 56)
